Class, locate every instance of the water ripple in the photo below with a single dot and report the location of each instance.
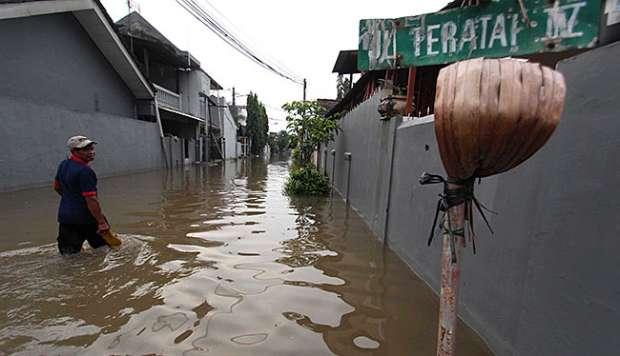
(215, 259)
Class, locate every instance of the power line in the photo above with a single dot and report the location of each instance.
(225, 35)
(198, 12)
(232, 26)
(275, 64)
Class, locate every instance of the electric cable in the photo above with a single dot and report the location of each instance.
(198, 12)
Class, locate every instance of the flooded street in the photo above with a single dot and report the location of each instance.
(214, 260)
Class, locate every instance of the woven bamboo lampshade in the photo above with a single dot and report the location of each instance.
(493, 114)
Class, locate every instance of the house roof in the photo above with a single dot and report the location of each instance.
(97, 23)
(181, 114)
(215, 85)
(451, 5)
(327, 104)
(136, 27)
(346, 63)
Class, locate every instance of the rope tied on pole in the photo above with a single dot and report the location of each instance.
(461, 192)
(490, 116)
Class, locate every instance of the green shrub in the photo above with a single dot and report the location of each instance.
(296, 158)
(306, 181)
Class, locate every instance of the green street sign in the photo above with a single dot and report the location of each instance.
(493, 29)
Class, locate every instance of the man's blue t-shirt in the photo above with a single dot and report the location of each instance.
(77, 181)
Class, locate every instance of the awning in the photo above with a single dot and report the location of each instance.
(180, 113)
(346, 63)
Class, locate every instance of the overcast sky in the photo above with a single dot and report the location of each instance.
(304, 36)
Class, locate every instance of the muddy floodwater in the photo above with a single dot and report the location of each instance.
(215, 260)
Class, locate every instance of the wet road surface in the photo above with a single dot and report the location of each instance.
(214, 260)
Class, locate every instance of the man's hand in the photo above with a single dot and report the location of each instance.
(103, 226)
(95, 209)
(57, 187)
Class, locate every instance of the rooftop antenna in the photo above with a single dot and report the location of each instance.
(132, 5)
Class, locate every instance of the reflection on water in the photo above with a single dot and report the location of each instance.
(214, 260)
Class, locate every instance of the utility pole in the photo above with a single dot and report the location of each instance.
(233, 100)
(305, 84)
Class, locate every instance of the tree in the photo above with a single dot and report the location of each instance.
(308, 127)
(271, 141)
(282, 141)
(279, 142)
(257, 125)
(343, 85)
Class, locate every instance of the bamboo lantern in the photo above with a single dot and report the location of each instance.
(490, 116)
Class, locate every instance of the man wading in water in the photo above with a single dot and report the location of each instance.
(79, 214)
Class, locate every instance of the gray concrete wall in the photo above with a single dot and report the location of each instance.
(175, 150)
(546, 282)
(230, 134)
(365, 135)
(190, 84)
(50, 59)
(215, 112)
(33, 138)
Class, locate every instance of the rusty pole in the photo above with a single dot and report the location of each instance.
(450, 279)
(410, 89)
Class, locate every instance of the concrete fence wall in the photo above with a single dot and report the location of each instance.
(175, 150)
(55, 83)
(33, 142)
(364, 134)
(546, 282)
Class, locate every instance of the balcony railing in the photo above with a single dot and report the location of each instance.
(168, 98)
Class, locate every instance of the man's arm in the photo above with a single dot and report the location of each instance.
(88, 187)
(57, 187)
(95, 209)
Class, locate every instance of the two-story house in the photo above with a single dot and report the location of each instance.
(183, 90)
